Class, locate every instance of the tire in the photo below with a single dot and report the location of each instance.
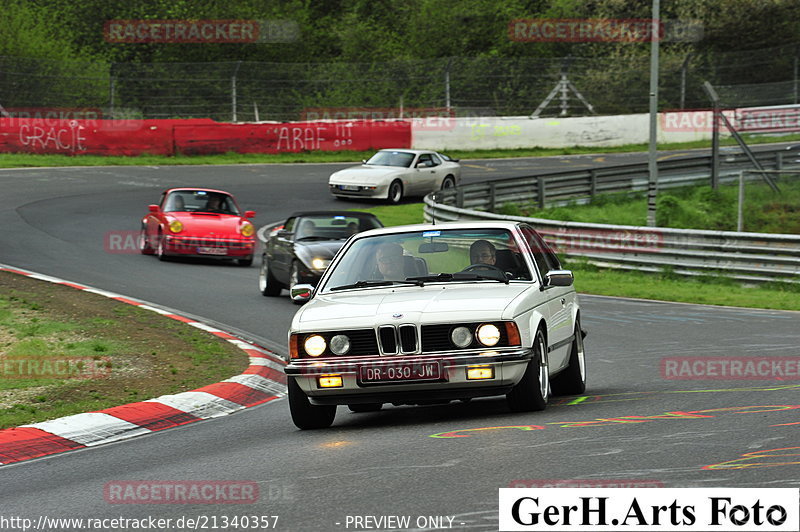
(267, 284)
(144, 245)
(365, 407)
(245, 262)
(305, 415)
(160, 253)
(395, 192)
(572, 381)
(294, 279)
(533, 390)
(448, 182)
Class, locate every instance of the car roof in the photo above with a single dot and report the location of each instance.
(475, 224)
(409, 150)
(178, 189)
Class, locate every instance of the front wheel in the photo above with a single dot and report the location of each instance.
(267, 284)
(533, 390)
(246, 262)
(572, 381)
(294, 279)
(304, 414)
(144, 244)
(395, 192)
(160, 248)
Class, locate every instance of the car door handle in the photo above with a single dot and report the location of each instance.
(563, 301)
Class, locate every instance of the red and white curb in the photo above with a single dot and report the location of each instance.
(261, 382)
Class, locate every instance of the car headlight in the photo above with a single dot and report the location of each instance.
(488, 334)
(320, 264)
(314, 345)
(340, 344)
(175, 226)
(247, 229)
(461, 337)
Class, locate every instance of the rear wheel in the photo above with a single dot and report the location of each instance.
(533, 390)
(267, 284)
(448, 182)
(365, 407)
(304, 414)
(572, 381)
(395, 192)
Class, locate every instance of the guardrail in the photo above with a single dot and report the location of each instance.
(753, 257)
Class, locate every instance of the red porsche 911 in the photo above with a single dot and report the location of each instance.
(198, 222)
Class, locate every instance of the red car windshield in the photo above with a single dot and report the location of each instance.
(200, 201)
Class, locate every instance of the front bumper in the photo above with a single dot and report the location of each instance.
(209, 247)
(359, 191)
(508, 367)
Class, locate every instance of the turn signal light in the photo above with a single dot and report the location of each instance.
(475, 373)
(330, 381)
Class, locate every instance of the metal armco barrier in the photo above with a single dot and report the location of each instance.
(753, 257)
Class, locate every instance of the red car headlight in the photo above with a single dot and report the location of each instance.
(247, 229)
(175, 226)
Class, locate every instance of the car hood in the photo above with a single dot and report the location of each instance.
(207, 224)
(432, 303)
(366, 174)
(324, 250)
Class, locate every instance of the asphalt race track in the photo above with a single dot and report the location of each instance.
(634, 426)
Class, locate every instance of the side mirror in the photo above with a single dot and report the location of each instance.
(558, 278)
(300, 293)
(249, 214)
(363, 161)
(153, 208)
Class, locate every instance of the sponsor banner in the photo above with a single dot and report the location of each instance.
(181, 492)
(731, 368)
(54, 367)
(200, 31)
(666, 509)
(604, 30)
(422, 118)
(585, 483)
(576, 241)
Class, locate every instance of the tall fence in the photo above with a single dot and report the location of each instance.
(746, 256)
(256, 91)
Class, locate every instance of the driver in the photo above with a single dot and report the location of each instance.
(482, 252)
(390, 261)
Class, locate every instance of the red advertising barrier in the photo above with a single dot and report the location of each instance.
(194, 136)
(358, 135)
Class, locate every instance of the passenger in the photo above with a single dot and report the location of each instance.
(214, 204)
(307, 229)
(482, 252)
(352, 228)
(390, 261)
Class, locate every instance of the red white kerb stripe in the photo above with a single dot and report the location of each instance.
(261, 382)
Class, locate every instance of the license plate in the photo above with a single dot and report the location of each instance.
(354, 188)
(212, 251)
(412, 371)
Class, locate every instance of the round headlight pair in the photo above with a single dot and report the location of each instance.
(175, 226)
(488, 334)
(315, 345)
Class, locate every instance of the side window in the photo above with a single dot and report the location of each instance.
(435, 159)
(545, 259)
(163, 196)
(289, 225)
(425, 160)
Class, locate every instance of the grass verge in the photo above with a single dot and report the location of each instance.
(62, 355)
(23, 160)
(664, 286)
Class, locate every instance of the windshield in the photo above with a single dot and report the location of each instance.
(392, 158)
(332, 227)
(200, 201)
(429, 256)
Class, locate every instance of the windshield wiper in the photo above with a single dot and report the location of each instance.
(459, 276)
(312, 238)
(365, 284)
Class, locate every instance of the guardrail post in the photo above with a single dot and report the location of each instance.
(490, 201)
(592, 183)
(778, 160)
(540, 191)
(459, 197)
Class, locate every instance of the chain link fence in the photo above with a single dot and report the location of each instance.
(257, 91)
